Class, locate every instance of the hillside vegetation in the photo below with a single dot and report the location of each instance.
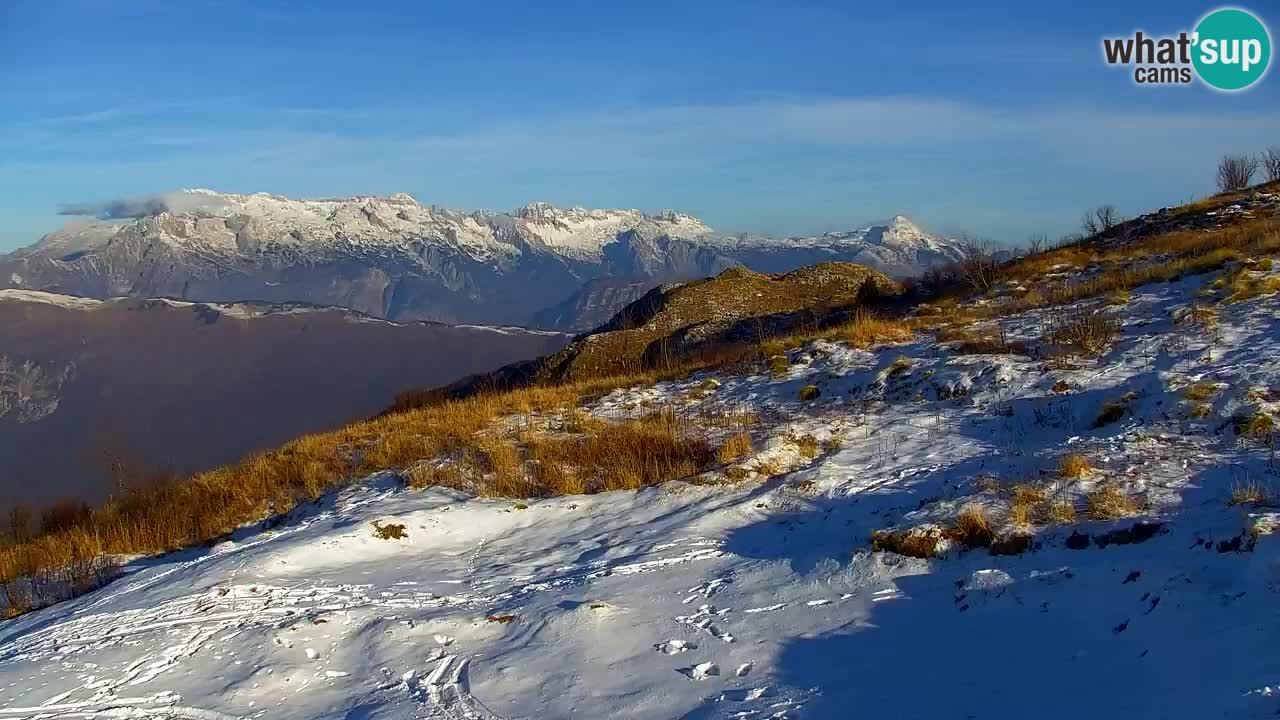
(524, 433)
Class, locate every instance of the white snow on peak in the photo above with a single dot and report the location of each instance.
(209, 221)
(221, 225)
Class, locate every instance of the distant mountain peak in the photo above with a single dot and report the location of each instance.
(392, 257)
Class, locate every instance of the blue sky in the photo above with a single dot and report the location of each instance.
(788, 117)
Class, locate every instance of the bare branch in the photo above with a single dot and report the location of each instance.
(1271, 163)
(1235, 172)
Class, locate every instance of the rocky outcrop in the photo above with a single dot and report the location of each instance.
(31, 391)
(676, 322)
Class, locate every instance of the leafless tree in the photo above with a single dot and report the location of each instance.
(1100, 220)
(1235, 172)
(1271, 163)
(979, 267)
(1037, 243)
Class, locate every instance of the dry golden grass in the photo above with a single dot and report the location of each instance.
(208, 505)
(424, 475)
(1074, 465)
(737, 446)
(390, 531)
(1198, 410)
(866, 328)
(502, 461)
(971, 528)
(578, 421)
(1117, 268)
(910, 543)
(1249, 493)
(1109, 502)
(1257, 424)
(1058, 512)
(963, 341)
(1020, 513)
(770, 468)
(1199, 392)
(810, 392)
(1024, 498)
(1119, 297)
(778, 365)
(807, 445)
(1244, 285)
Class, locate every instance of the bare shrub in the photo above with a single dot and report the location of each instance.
(1271, 164)
(1089, 332)
(1235, 172)
(979, 267)
(1100, 220)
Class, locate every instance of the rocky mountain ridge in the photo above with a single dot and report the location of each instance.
(394, 258)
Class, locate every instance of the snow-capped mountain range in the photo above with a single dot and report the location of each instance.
(395, 258)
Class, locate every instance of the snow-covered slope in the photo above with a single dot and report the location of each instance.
(395, 258)
(758, 598)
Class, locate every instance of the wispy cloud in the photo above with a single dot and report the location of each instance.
(772, 162)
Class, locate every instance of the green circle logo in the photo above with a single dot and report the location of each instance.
(1232, 49)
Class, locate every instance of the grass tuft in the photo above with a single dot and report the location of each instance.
(1074, 465)
(1109, 502)
(736, 447)
(390, 531)
(971, 528)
